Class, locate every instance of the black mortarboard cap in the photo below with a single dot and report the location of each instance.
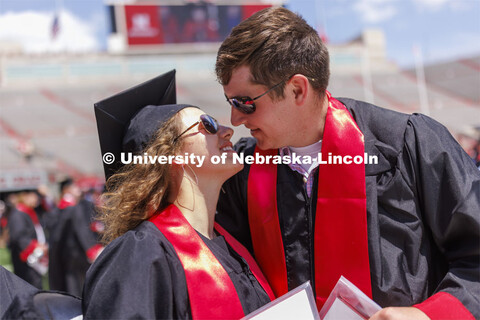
(127, 121)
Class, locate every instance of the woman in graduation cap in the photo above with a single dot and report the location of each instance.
(165, 259)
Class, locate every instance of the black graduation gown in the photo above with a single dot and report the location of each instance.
(21, 234)
(423, 204)
(139, 275)
(14, 292)
(20, 300)
(70, 240)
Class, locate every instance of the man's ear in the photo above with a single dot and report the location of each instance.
(300, 88)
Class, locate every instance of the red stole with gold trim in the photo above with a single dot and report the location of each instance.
(340, 236)
(211, 292)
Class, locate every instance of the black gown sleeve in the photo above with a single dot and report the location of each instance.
(232, 211)
(449, 190)
(14, 293)
(136, 276)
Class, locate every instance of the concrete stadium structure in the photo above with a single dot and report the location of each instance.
(47, 121)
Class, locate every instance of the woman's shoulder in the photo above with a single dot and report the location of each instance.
(145, 236)
(17, 214)
(132, 253)
(145, 231)
(131, 275)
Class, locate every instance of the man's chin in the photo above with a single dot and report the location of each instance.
(233, 170)
(264, 145)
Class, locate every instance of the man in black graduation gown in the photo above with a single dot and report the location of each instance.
(74, 247)
(412, 218)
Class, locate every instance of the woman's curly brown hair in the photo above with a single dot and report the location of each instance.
(136, 191)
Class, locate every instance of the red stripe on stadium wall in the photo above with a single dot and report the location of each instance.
(67, 105)
(435, 87)
(470, 63)
(385, 96)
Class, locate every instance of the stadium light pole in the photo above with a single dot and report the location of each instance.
(421, 84)
(367, 76)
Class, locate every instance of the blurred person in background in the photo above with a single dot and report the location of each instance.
(3, 224)
(69, 196)
(469, 139)
(70, 193)
(200, 27)
(73, 241)
(170, 25)
(47, 200)
(27, 242)
(92, 195)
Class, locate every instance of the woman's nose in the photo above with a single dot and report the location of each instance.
(225, 132)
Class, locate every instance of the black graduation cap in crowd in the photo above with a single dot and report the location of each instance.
(65, 183)
(127, 121)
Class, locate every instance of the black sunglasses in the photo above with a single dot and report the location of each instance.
(247, 104)
(208, 122)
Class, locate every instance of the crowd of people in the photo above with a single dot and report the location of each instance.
(220, 241)
(51, 241)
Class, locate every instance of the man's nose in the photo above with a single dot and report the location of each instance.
(237, 117)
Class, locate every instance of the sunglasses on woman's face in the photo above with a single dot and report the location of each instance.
(247, 104)
(208, 122)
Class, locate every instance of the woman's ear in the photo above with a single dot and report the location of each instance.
(177, 162)
(176, 168)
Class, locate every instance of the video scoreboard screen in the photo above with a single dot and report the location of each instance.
(148, 25)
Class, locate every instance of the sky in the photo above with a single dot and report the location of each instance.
(442, 29)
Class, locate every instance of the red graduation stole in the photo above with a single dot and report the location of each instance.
(211, 292)
(31, 212)
(340, 236)
(65, 203)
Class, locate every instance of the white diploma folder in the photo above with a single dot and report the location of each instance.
(298, 303)
(348, 302)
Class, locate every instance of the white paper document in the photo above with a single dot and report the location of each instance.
(340, 310)
(296, 304)
(348, 302)
(345, 302)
